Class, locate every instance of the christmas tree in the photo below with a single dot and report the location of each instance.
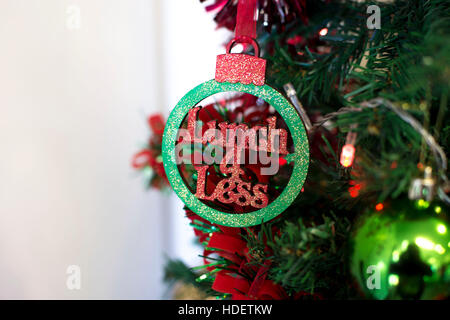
(371, 82)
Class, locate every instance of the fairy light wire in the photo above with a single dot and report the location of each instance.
(436, 149)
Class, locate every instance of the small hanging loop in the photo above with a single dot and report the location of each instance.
(243, 39)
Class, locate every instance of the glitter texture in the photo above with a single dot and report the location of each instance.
(243, 68)
(300, 157)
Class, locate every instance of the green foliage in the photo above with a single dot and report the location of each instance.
(409, 53)
(177, 271)
(308, 257)
(384, 152)
(406, 61)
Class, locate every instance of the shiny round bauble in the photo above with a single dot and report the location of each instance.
(403, 252)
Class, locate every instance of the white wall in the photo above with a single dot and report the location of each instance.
(72, 104)
(74, 94)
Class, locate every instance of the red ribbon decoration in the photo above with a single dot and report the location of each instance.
(149, 155)
(142, 159)
(228, 244)
(247, 15)
(232, 247)
(156, 123)
(219, 4)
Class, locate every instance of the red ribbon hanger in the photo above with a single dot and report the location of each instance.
(247, 16)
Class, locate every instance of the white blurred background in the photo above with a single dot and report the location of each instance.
(77, 80)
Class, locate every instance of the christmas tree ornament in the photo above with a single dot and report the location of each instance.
(403, 253)
(149, 159)
(225, 152)
(423, 188)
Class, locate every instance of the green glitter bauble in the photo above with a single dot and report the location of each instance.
(300, 157)
(407, 249)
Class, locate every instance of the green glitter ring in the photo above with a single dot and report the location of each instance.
(300, 156)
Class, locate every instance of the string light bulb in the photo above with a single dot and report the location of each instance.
(348, 150)
(323, 32)
(347, 155)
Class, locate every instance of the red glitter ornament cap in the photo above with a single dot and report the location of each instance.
(239, 67)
